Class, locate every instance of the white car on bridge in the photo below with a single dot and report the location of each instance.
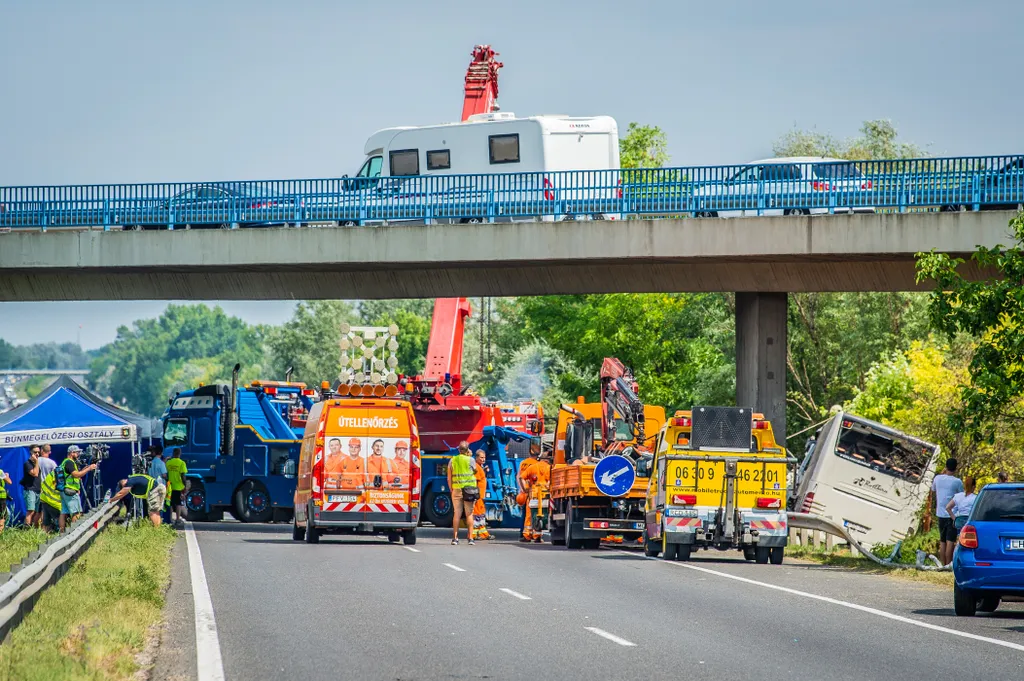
(796, 185)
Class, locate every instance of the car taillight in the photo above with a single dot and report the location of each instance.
(866, 185)
(684, 499)
(549, 195)
(769, 502)
(969, 537)
(681, 422)
(820, 186)
(317, 485)
(808, 501)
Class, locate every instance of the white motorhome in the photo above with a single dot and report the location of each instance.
(473, 156)
(866, 476)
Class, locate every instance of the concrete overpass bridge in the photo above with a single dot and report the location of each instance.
(762, 259)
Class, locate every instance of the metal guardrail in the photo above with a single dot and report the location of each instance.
(777, 188)
(44, 566)
(817, 523)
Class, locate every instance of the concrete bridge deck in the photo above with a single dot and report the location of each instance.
(777, 254)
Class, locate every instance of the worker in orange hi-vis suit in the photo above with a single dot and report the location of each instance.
(400, 464)
(538, 475)
(378, 467)
(352, 466)
(479, 509)
(521, 481)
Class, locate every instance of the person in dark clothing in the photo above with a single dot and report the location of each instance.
(31, 486)
(142, 486)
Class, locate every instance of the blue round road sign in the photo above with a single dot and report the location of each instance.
(614, 475)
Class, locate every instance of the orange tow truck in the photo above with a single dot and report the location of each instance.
(580, 514)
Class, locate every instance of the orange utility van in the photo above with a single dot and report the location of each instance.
(359, 469)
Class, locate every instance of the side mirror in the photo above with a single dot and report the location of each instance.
(535, 427)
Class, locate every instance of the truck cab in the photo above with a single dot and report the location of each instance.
(718, 481)
(241, 452)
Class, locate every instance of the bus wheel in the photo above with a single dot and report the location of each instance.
(778, 553)
(252, 503)
(761, 555)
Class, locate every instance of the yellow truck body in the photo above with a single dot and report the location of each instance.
(724, 498)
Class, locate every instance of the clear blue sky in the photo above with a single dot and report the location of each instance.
(133, 91)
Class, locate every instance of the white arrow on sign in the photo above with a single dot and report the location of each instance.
(609, 478)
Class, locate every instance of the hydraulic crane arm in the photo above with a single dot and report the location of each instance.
(444, 352)
(481, 82)
(619, 396)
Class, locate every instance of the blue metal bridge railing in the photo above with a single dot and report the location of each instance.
(780, 187)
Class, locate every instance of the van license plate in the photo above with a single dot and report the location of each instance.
(1016, 545)
(342, 497)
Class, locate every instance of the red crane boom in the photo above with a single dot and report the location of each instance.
(481, 82)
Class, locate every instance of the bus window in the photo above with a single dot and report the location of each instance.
(880, 453)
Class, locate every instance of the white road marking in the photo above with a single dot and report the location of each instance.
(208, 660)
(846, 604)
(455, 567)
(410, 548)
(610, 637)
(518, 595)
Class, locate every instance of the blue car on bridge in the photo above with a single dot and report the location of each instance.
(988, 564)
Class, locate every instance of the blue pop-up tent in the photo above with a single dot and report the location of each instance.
(64, 414)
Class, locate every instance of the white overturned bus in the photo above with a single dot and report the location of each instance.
(871, 478)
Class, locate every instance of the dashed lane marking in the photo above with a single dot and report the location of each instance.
(455, 567)
(518, 595)
(410, 548)
(611, 637)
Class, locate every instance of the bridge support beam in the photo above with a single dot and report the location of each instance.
(761, 356)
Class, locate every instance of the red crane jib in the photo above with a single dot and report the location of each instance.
(481, 82)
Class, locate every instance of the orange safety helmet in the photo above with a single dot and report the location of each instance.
(521, 499)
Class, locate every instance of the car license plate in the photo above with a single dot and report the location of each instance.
(342, 498)
(1016, 545)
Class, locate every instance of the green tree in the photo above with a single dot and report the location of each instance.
(309, 341)
(681, 347)
(834, 338)
(133, 368)
(643, 146)
(877, 141)
(992, 311)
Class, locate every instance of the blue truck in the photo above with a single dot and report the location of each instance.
(501, 445)
(241, 445)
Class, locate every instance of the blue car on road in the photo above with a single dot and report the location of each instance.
(988, 564)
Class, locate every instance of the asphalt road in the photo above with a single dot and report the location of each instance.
(363, 609)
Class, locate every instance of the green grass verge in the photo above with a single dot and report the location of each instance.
(18, 542)
(93, 623)
(855, 561)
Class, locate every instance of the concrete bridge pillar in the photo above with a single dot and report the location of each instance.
(761, 356)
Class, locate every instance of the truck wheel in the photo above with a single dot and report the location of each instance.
(393, 537)
(964, 602)
(683, 551)
(297, 532)
(409, 537)
(778, 553)
(437, 509)
(557, 533)
(195, 502)
(761, 555)
(670, 551)
(748, 553)
(571, 542)
(252, 503)
(652, 547)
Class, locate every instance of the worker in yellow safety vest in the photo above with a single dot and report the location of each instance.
(49, 501)
(142, 486)
(4, 481)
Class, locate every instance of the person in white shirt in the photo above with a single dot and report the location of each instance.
(959, 507)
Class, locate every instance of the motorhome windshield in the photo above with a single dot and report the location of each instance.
(372, 167)
(868, 447)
